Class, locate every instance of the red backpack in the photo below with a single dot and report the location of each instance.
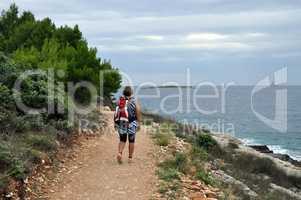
(121, 112)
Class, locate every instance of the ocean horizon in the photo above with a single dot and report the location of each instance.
(231, 113)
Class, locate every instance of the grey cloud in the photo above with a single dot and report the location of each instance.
(140, 35)
(163, 7)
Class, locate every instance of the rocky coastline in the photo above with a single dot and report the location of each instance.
(284, 157)
(246, 171)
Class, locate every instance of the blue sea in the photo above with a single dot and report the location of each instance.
(231, 111)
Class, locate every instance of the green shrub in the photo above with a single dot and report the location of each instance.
(34, 156)
(6, 99)
(205, 177)
(206, 141)
(34, 92)
(178, 162)
(43, 142)
(10, 164)
(198, 154)
(168, 174)
(30, 123)
(61, 125)
(17, 170)
(181, 162)
(169, 169)
(7, 120)
(5, 157)
(162, 139)
(8, 72)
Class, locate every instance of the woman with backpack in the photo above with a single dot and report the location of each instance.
(127, 119)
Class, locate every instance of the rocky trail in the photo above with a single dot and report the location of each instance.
(95, 174)
(89, 170)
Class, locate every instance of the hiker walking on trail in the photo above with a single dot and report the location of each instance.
(127, 119)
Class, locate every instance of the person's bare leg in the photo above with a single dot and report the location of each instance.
(120, 150)
(131, 151)
(121, 147)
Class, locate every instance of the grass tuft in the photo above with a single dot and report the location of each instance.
(162, 139)
(43, 142)
(205, 177)
(168, 174)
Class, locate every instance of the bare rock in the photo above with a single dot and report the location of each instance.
(198, 196)
(261, 148)
(230, 180)
(288, 192)
(210, 194)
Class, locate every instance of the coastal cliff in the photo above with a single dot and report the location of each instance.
(237, 170)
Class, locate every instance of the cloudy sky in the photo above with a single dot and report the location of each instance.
(218, 40)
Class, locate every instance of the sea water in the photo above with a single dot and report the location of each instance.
(232, 110)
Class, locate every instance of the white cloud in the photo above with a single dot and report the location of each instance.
(205, 36)
(119, 48)
(184, 30)
(220, 46)
(255, 34)
(179, 45)
(152, 37)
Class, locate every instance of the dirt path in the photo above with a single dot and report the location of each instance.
(95, 174)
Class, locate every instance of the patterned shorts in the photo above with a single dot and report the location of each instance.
(127, 130)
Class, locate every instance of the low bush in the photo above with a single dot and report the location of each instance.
(198, 154)
(205, 177)
(10, 165)
(6, 99)
(205, 141)
(168, 174)
(17, 170)
(162, 139)
(34, 156)
(30, 123)
(179, 162)
(5, 157)
(42, 142)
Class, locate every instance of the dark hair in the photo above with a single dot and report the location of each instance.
(128, 91)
